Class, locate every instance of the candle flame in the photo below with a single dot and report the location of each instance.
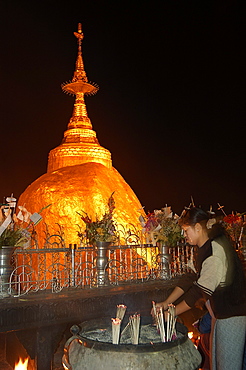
(21, 365)
(190, 334)
(194, 338)
(116, 321)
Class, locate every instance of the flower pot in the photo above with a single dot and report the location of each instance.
(5, 270)
(101, 262)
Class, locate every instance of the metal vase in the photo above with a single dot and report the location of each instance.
(5, 270)
(163, 260)
(101, 263)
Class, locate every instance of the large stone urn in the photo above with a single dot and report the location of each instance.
(83, 353)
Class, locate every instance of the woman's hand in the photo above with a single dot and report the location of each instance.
(163, 305)
(176, 293)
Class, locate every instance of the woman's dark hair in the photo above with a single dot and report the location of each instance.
(193, 216)
(196, 215)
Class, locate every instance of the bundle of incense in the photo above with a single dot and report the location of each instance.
(134, 326)
(120, 313)
(127, 326)
(115, 330)
(155, 314)
(173, 331)
(171, 321)
(161, 326)
(159, 321)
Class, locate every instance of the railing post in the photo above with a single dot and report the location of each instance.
(163, 259)
(101, 263)
(72, 248)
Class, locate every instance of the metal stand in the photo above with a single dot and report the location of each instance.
(163, 260)
(101, 263)
(5, 270)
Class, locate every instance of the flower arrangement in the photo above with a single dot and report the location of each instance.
(15, 230)
(162, 226)
(100, 230)
(12, 232)
(234, 224)
(15, 236)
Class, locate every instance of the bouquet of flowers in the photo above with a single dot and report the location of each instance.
(15, 236)
(162, 226)
(101, 229)
(15, 229)
(11, 232)
(234, 224)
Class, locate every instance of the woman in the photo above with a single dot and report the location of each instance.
(220, 281)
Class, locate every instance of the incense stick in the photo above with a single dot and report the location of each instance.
(134, 326)
(159, 321)
(121, 309)
(155, 315)
(116, 330)
(161, 326)
(171, 321)
(173, 331)
(125, 328)
(168, 325)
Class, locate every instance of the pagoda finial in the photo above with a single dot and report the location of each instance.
(79, 83)
(79, 73)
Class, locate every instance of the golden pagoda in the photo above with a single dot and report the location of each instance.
(80, 144)
(80, 175)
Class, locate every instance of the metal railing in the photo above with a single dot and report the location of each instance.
(56, 267)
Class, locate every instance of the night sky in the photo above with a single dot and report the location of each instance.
(172, 101)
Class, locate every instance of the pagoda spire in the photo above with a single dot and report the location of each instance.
(79, 82)
(80, 144)
(79, 86)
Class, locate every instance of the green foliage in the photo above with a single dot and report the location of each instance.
(162, 225)
(14, 236)
(100, 230)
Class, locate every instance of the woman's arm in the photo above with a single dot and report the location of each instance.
(181, 307)
(176, 293)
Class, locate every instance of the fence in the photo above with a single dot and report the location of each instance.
(56, 268)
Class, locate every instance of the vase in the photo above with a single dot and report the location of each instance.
(5, 270)
(163, 260)
(101, 263)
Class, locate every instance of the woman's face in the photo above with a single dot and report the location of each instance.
(191, 234)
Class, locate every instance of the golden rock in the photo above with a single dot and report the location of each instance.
(84, 187)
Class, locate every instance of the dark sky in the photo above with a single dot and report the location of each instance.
(172, 101)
